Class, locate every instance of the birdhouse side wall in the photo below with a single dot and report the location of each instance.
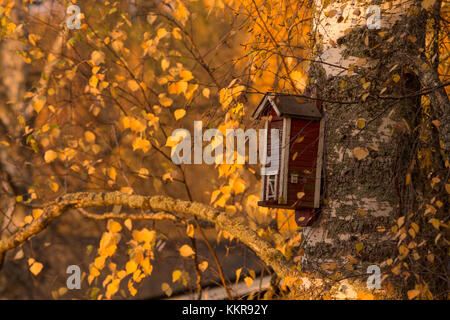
(303, 155)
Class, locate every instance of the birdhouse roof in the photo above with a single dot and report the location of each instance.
(288, 105)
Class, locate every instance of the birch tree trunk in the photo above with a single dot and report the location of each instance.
(369, 141)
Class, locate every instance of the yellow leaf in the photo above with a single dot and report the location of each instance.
(144, 235)
(190, 230)
(300, 195)
(230, 210)
(248, 281)
(127, 190)
(142, 144)
(93, 271)
(222, 201)
(62, 291)
(164, 65)
(186, 251)
(161, 33)
(28, 219)
(98, 57)
(238, 186)
(206, 92)
(403, 251)
(176, 33)
(435, 223)
(447, 187)
(117, 45)
(133, 85)
(167, 177)
(294, 156)
(359, 246)
(131, 266)
(146, 266)
(299, 140)
(179, 113)
(238, 274)
(38, 103)
(128, 224)
(176, 275)
(214, 195)
(178, 87)
(203, 266)
(114, 226)
(50, 156)
(173, 141)
(89, 136)
(143, 173)
(365, 296)
(35, 267)
(37, 213)
(186, 75)
(136, 125)
(166, 288)
(412, 294)
(408, 178)
(112, 173)
(112, 288)
(99, 262)
(165, 101)
(428, 4)
(362, 212)
(366, 85)
(93, 81)
(396, 78)
(53, 186)
(360, 153)
(132, 290)
(361, 123)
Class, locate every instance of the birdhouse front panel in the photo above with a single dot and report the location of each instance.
(270, 190)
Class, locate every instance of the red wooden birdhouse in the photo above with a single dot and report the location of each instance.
(296, 185)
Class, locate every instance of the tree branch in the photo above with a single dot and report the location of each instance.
(243, 233)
